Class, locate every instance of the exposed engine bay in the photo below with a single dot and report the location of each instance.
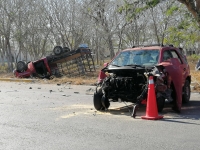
(124, 85)
(130, 84)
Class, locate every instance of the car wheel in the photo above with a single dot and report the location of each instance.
(186, 92)
(21, 66)
(57, 50)
(105, 102)
(160, 103)
(97, 101)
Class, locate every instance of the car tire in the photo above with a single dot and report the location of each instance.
(57, 50)
(97, 101)
(160, 103)
(21, 66)
(186, 92)
(105, 102)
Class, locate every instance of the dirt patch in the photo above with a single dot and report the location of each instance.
(91, 78)
(195, 77)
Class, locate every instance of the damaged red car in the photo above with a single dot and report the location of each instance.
(125, 78)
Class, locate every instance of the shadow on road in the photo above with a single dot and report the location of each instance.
(189, 111)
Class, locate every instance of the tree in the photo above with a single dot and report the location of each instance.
(193, 7)
(98, 11)
(6, 21)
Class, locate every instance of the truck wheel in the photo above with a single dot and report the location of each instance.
(57, 50)
(160, 103)
(186, 92)
(21, 66)
(97, 101)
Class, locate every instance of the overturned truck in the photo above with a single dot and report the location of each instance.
(62, 61)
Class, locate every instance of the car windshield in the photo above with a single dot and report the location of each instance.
(136, 57)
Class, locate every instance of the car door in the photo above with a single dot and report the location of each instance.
(183, 65)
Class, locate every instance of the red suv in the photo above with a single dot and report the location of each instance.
(125, 78)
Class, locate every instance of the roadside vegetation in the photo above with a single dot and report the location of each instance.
(29, 30)
(91, 78)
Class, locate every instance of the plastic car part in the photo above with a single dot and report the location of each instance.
(135, 107)
(21, 66)
(105, 102)
(160, 103)
(186, 92)
(58, 50)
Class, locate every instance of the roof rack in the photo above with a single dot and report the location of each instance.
(170, 45)
(148, 45)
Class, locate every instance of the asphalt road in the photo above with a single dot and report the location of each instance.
(61, 117)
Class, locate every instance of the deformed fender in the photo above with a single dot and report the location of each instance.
(174, 70)
(101, 76)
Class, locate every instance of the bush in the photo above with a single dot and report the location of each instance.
(3, 68)
(193, 58)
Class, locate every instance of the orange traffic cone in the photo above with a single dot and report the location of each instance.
(151, 109)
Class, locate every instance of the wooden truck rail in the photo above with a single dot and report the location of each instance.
(72, 63)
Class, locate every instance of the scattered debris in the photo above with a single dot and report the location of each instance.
(90, 91)
(30, 88)
(94, 113)
(11, 91)
(76, 92)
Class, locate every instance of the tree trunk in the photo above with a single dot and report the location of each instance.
(9, 55)
(195, 10)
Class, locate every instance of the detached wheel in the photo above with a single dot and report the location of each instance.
(21, 66)
(186, 92)
(160, 103)
(97, 101)
(58, 50)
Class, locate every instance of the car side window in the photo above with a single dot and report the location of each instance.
(166, 55)
(175, 55)
(182, 56)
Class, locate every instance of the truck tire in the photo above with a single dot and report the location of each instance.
(21, 66)
(58, 50)
(186, 92)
